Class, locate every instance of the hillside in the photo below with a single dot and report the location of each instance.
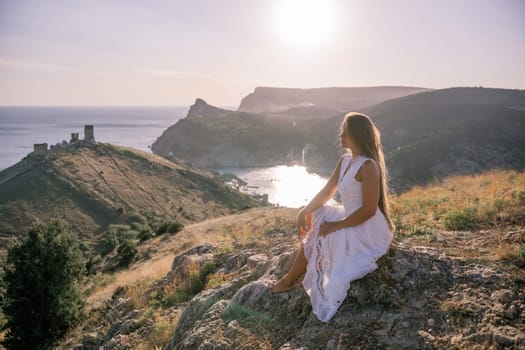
(91, 187)
(212, 137)
(326, 101)
(454, 278)
(425, 135)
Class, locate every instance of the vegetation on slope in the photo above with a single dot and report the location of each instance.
(91, 188)
(42, 298)
(480, 218)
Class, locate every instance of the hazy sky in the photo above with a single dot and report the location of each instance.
(152, 52)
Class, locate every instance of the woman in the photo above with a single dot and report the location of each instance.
(342, 243)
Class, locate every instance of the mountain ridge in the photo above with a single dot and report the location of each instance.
(270, 100)
(427, 135)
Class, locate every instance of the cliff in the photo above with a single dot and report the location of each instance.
(211, 137)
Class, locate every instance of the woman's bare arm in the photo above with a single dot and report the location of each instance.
(368, 175)
(320, 198)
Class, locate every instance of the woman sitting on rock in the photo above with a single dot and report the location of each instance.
(342, 243)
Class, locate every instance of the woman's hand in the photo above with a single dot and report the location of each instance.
(302, 223)
(328, 227)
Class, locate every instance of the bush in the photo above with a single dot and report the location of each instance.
(126, 251)
(109, 243)
(522, 254)
(521, 197)
(193, 285)
(146, 233)
(121, 231)
(3, 321)
(169, 227)
(461, 220)
(236, 311)
(176, 297)
(501, 204)
(137, 218)
(42, 297)
(197, 280)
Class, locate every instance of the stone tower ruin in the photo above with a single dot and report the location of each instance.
(74, 137)
(40, 148)
(89, 133)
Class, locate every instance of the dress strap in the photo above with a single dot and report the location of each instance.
(356, 165)
(347, 161)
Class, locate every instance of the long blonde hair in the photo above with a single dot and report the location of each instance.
(367, 138)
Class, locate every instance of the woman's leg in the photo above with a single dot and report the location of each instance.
(297, 270)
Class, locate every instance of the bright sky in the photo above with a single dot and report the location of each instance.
(162, 52)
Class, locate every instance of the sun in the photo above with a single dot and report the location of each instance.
(305, 23)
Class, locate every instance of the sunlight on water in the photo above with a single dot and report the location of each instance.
(289, 186)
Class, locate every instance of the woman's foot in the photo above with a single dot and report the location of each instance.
(283, 286)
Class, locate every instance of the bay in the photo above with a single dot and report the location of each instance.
(288, 186)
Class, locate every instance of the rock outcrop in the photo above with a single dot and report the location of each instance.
(418, 298)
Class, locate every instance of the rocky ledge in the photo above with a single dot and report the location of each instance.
(418, 298)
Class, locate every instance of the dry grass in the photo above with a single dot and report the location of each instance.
(150, 270)
(493, 200)
(159, 336)
(468, 217)
(489, 200)
(247, 228)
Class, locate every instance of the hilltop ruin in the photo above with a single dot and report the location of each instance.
(89, 138)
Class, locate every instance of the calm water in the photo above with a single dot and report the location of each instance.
(289, 186)
(137, 127)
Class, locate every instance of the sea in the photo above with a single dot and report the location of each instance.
(137, 127)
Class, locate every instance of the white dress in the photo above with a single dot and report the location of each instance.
(344, 255)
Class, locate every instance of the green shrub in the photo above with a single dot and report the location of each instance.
(175, 297)
(42, 297)
(136, 226)
(461, 220)
(500, 205)
(146, 233)
(238, 312)
(109, 243)
(193, 285)
(122, 232)
(127, 251)
(521, 197)
(3, 321)
(197, 280)
(137, 218)
(521, 254)
(91, 260)
(169, 227)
